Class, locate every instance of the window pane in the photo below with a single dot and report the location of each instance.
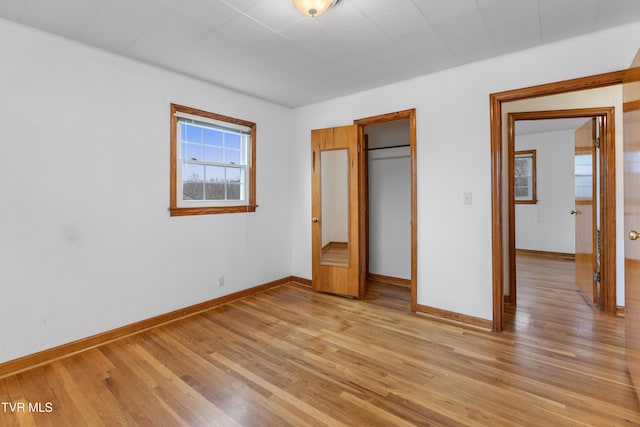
(583, 181)
(212, 154)
(522, 192)
(192, 182)
(583, 175)
(522, 166)
(232, 140)
(232, 156)
(215, 185)
(583, 187)
(583, 169)
(192, 151)
(192, 173)
(583, 159)
(213, 137)
(192, 134)
(583, 164)
(583, 193)
(233, 183)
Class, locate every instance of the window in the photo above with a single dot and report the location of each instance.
(212, 163)
(583, 172)
(524, 185)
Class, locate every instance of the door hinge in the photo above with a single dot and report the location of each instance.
(358, 148)
(359, 269)
(596, 276)
(596, 142)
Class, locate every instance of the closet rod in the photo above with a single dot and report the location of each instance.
(385, 148)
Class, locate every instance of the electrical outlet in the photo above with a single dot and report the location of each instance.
(220, 281)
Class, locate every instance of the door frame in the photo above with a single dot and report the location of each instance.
(607, 207)
(376, 120)
(499, 194)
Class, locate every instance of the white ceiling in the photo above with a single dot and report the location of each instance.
(267, 49)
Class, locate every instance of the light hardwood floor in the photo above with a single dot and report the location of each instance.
(292, 357)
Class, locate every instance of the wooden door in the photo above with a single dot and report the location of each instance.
(585, 210)
(335, 216)
(631, 130)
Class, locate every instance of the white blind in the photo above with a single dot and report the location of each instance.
(212, 123)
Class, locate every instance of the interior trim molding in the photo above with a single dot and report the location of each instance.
(498, 169)
(546, 254)
(389, 280)
(301, 281)
(620, 310)
(456, 317)
(34, 360)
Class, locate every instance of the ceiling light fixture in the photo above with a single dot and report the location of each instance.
(313, 7)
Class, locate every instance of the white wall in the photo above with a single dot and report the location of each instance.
(86, 241)
(453, 157)
(548, 225)
(390, 212)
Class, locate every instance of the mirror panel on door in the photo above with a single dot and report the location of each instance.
(334, 200)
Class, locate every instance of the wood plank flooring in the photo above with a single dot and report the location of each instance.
(289, 356)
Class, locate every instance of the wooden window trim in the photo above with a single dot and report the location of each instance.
(534, 172)
(174, 209)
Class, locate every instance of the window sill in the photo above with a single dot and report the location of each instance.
(175, 211)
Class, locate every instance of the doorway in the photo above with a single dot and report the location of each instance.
(501, 221)
(378, 134)
(555, 188)
(387, 202)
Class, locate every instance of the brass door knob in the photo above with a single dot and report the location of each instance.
(314, 219)
(633, 235)
(573, 212)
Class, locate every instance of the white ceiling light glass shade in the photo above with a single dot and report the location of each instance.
(313, 7)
